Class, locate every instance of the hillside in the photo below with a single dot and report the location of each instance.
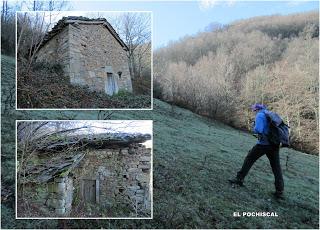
(47, 87)
(193, 158)
(273, 60)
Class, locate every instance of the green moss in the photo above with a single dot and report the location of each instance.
(123, 93)
(64, 173)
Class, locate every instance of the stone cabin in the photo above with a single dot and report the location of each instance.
(110, 169)
(91, 52)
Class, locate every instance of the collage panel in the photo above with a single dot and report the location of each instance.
(84, 60)
(84, 169)
(227, 93)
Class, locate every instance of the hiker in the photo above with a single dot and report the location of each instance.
(262, 147)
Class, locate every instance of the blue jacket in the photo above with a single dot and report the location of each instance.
(262, 127)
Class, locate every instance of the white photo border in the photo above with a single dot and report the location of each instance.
(84, 109)
(82, 218)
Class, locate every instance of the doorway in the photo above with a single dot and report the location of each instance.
(111, 86)
(90, 191)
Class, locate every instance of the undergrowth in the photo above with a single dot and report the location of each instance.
(45, 86)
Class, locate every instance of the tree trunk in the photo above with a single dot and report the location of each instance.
(21, 32)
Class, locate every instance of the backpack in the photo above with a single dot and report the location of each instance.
(278, 130)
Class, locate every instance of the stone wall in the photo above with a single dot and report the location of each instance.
(89, 54)
(60, 195)
(94, 52)
(57, 51)
(123, 175)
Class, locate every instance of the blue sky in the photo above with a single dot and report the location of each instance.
(175, 19)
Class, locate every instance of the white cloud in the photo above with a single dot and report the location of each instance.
(231, 3)
(209, 4)
(296, 3)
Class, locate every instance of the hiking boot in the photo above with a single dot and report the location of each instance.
(278, 195)
(236, 181)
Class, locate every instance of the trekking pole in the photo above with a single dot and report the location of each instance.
(287, 161)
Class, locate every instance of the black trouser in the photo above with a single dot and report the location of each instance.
(272, 153)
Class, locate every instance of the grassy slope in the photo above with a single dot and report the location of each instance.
(40, 89)
(193, 158)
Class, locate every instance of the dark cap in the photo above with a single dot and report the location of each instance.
(256, 107)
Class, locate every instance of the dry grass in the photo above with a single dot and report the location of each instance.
(46, 87)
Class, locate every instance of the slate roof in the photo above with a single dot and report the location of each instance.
(101, 140)
(64, 163)
(62, 23)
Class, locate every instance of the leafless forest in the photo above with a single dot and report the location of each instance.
(273, 60)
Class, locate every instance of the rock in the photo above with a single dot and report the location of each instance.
(60, 211)
(60, 187)
(146, 166)
(131, 151)
(124, 151)
(145, 158)
(134, 170)
(134, 188)
(142, 178)
(54, 203)
(59, 179)
(140, 191)
(139, 199)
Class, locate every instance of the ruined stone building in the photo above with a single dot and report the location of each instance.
(91, 52)
(106, 170)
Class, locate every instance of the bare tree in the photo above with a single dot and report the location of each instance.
(135, 29)
(32, 27)
(7, 28)
(40, 5)
(4, 12)
(143, 60)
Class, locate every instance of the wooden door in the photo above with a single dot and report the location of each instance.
(89, 191)
(110, 84)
